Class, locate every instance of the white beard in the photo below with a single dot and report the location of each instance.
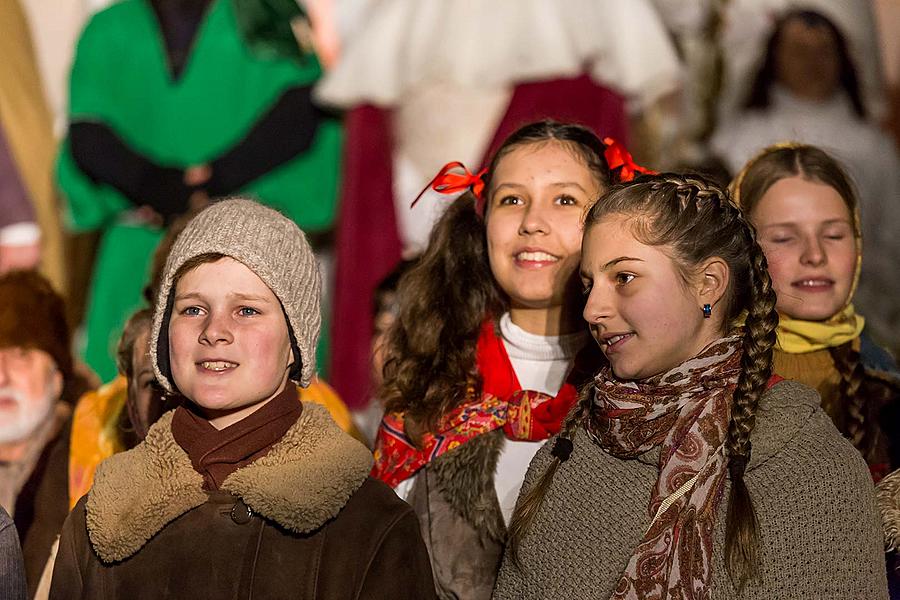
(19, 422)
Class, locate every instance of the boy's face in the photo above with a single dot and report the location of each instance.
(229, 346)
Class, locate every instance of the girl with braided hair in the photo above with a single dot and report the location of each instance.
(687, 470)
(806, 211)
(479, 362)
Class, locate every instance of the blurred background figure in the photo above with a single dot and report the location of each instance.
(807, 87)
(887, 13)
(38, 386)
(116, 416)
(12, 575)
(385, 308)
(430, 82)
(225, 106)
(30, 233)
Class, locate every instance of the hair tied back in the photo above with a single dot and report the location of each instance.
(447, 182)
(617, 157)
(562, 448)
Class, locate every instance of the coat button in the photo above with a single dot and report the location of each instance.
(241, 513)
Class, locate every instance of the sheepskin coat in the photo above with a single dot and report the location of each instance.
(303, 521)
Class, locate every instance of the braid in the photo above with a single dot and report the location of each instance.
(846, 361)
(527, 508)
(697, 220)
(741, 537)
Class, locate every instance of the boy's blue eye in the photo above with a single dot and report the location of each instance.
(191, 311)
(246, 311)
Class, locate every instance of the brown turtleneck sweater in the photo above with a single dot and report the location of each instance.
(216, 454)
(816, 369)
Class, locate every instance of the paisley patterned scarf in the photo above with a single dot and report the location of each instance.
(686, 411)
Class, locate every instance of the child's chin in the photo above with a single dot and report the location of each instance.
(218, 400)
(624, 371)
(815, 313)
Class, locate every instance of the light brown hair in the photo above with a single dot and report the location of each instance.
(815, 165)
(696, 220)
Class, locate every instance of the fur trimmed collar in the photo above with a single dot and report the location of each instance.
(304, 480)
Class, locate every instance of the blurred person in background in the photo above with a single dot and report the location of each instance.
(429, 82)
(12, 574)
(30, 230)
(173, 102)
(38, 387)
(385, 309)
(807, 88)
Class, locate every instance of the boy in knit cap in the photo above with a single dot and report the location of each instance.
(242, 490)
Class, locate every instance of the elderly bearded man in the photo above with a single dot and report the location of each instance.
(37, 389)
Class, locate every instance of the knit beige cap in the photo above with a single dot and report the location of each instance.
(270, 245)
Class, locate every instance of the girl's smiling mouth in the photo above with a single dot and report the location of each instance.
(534, 258)
(612, 342)
(813, 284)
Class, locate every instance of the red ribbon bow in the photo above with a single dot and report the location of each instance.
(617, 156)
(446, 182)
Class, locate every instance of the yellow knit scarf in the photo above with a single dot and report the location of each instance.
(796, 336)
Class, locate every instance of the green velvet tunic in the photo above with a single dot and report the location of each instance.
(121, 78)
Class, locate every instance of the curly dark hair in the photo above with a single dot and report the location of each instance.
(447, 295)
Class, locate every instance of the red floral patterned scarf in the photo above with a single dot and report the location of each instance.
(503, 404)
(686, 411)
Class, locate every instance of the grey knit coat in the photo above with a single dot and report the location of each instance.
(820, 534)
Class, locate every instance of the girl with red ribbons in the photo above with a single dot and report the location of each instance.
(479, 366)
(687, 469)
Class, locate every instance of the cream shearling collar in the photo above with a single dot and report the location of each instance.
(304, 480)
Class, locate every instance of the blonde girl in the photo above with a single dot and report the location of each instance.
(806, 211)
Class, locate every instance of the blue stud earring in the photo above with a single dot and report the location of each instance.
(707, 311)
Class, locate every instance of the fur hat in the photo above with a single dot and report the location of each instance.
(270, 245)
(33, 315)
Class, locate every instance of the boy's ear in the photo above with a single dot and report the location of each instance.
(714, 278)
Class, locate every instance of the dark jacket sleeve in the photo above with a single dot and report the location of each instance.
(400, 567)
(12, 570)
(67, 582)
(286, 130)
(106, 158)
(15, 205)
